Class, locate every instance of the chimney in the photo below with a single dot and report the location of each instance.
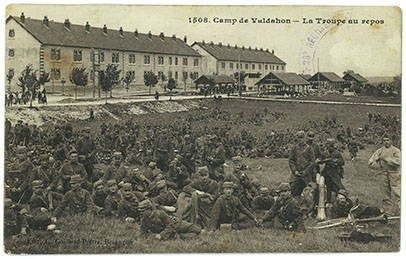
(249, 47)
(121, 32)
(22, 18)
(87, 27)
(211, 43)
(273, 52)
(149, 34)
(136, 33)
(161, 35)
(267, 50)
(243, 47)
(174, 37)
(185, 39)
(45, 21)
(228, 45)
(104, 29)
(235, 46)
(261, 49)
(203, 42)
(67, 24)
(220, 44)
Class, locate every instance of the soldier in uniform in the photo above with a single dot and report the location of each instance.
(178, 173)
(341, 205)
(99, 193)
(201, 194)
(333, 170)
(40, 206)
(216, 159)
(87, 148)
(285, 213)
(128, 204)
(228, 209)
(301, 163)
(353, 148)
(116, 169)
(112, 199)
(69, 168)
(77, 200)
(156, 221)
(263, 201)
(15, 222)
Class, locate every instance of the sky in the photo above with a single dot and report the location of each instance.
(369, 50)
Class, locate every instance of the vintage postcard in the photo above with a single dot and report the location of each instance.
(194, 129)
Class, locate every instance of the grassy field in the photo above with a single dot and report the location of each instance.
(98, 235)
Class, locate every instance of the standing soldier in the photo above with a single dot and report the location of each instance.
(353, 148)
(387, 159)
(301, 163)
(227, 209)
(333, 170)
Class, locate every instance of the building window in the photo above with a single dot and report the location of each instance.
(169, 74)
(170, 60)
(237, 66)
(184, 77)
(101, 57)
(147, 59)
(253, 66)
(55, 54)
(282, 68)
(77, 55)
(231, 65)
(132, 73)
(196, 62)
(176, 75)
(266, 67)
(259, 66)
(184, 61)
(11, 33)
(223, 65)
(131, 58)
(277, 67)
(176, 61)
(115, 57)
(160, 60)
(11, 53)
(55, 73)
(194, 75)
(246, 66)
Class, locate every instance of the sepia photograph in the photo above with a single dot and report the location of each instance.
(201, 129)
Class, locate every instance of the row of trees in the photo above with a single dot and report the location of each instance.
(79, 77)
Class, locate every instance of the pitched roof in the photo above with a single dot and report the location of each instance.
(306, 76)
(286, 78)
(214, 79)
(57, 35)
(329, 76)
(354, 76)
(229, 53)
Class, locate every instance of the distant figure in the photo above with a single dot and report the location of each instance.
(91, 114)
(156, 95)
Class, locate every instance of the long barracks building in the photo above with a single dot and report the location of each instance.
(221, 59)
(58, 47)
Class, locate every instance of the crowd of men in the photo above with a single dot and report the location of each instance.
(179, 178)
(19, 97)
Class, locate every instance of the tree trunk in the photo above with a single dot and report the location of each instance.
(106, 97)
(84, 91)
(31, 100)
(76, 92)
(149, 89)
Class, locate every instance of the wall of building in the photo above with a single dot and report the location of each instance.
(209, 63)
(26, 51)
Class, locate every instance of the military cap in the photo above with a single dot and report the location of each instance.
(72, 151)
(202, 169)
(310, 135)
(127, 186)
(145, 204)
(152, 164)
(300, 134)
(111, 182)
(264, 190)
(36, 183)
(97, 183)
(117, 153)
(283, 187)
(75, 179)
(236, 158)
(228, 185)
(343, 192)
